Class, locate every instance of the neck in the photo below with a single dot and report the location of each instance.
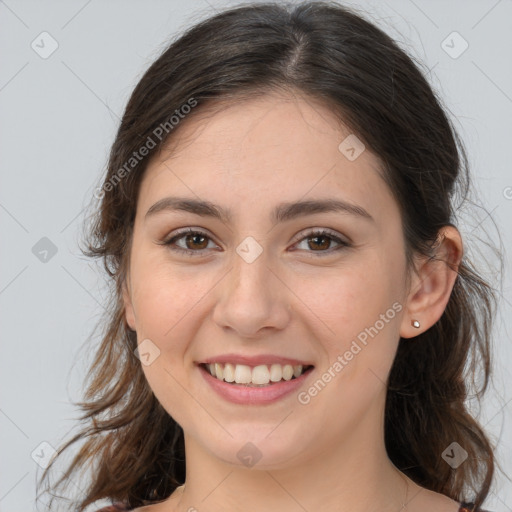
(354, 476)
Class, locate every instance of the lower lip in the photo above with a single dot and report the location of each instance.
(240, 394)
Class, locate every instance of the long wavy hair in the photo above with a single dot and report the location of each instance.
(331, 53)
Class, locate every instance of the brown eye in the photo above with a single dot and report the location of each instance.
(320, 242)
(193, 242)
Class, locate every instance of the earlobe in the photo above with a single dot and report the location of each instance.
(128, 308)
(432, 284)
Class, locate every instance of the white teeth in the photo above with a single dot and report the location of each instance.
(219, 372)
(243, 374)
(260, 375)
(287, 371)
(276, 372)
(229, 372)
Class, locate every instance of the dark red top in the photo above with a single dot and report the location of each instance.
(120, 507)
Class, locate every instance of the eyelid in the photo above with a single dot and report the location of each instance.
(308, 232)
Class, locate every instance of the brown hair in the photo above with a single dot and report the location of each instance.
(330, 53)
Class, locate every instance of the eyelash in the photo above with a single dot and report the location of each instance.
(312, 234)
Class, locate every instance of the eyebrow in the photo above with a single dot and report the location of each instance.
(281, 213)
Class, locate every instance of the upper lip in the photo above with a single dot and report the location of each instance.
(261, 359)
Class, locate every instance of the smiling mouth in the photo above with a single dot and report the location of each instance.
(255, 376)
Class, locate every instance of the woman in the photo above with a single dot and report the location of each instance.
(293, 308)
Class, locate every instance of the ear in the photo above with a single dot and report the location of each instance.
(432, 283)
(128, 306)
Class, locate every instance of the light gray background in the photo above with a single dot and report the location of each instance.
(58, 119)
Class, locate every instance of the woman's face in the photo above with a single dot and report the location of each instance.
(259, 285)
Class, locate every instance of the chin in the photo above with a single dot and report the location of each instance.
(255, 449)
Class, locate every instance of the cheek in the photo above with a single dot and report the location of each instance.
(358, 318)
(164, 294)
(349, 299)
(166, 303)
(359, 332)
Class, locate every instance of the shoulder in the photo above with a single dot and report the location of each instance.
(115, 507)
(468, 507)
(121, 507)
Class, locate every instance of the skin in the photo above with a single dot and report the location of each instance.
(309, 303)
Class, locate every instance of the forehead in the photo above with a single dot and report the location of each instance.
(269, 149)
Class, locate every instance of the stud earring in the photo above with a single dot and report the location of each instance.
(415, 324)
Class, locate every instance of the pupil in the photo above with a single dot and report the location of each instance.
(324, 238)
(193, 237)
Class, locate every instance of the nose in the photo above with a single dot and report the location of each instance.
(253, 298)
